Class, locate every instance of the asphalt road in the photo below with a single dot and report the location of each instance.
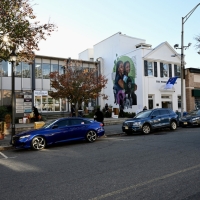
(162, 165)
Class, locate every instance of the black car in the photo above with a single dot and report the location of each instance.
(148, 120)
(191, 119)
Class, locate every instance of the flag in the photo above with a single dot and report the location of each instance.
(170, 82)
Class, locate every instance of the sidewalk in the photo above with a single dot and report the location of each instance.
(5, 143)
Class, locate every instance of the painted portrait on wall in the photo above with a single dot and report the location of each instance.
(124, 86)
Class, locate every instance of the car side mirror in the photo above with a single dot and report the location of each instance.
(54, 126)
(153, 116)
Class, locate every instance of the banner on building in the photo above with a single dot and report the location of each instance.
(170, 82)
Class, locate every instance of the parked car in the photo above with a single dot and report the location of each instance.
(59, 130)
(148, 120)
(191, 119)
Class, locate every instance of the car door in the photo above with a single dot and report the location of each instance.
(78, 128)
(155, 119)
(62, 130)
(164, 118)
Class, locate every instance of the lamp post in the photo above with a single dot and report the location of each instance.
(184, 19)
(13, 58)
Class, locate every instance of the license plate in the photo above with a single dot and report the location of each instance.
(185, 123)
(126, 127)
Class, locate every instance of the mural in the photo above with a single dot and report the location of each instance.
(124, 86)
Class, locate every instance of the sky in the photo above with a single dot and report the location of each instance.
(83, 23)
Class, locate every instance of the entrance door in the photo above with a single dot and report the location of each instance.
(167, 104)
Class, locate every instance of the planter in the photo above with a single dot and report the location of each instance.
(1, 136)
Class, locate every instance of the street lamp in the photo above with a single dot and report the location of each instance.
(13, 58)
(176, 46)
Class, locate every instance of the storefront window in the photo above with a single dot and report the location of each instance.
(18, 70)
(45, 70)
(38, 103)
(38, 70)
(197, 102)
(57, 105)
(25, 70)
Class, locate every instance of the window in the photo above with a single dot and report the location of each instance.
(177, 70)
(150, 69)
(54, 67)
(25, 70)
(18, 70)
(62, 123)
(45, 70)
(4, 68)
(179, 101)
(165, 70)
(164, 112)
(155, 113)
(38, 70)
(61, 69)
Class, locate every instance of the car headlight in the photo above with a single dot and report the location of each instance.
(194, 119)
(136, 123)
(25, 136)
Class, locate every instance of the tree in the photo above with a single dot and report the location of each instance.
(77, 84)
(19, 30)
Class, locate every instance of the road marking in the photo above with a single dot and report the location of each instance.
(4, 155)
(144, 183)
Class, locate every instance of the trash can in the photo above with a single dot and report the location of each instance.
(38, 125)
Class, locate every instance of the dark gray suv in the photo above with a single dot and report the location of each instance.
(148, 120)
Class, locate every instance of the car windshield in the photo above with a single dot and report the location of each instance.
(143, 114)
(48, 123)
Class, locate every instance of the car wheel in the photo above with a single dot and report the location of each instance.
(173, 125)
(91, 136)
(146, 129)
(38, 143)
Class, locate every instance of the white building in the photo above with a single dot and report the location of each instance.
(150, 69)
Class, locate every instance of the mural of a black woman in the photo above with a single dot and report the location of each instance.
(130, 87)
(119, 84)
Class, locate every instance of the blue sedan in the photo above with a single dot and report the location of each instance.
(57, 131)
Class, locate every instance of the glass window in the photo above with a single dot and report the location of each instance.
(25, 70)
(45, 70)
(54, 67)
(63, 123)
(57, 104)
(18, 70)
(164, 112)
(179, 101)
(4, 68)
(61, 69)
(38, 102)
(178, 71)
(38, 70)
(150, 68)
(165, 70)
(76, 121)
(155, 113)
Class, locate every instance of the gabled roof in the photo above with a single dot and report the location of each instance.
(163, 52)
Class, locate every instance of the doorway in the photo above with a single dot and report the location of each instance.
(167, 104)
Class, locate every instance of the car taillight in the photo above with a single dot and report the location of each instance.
(101, 124)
